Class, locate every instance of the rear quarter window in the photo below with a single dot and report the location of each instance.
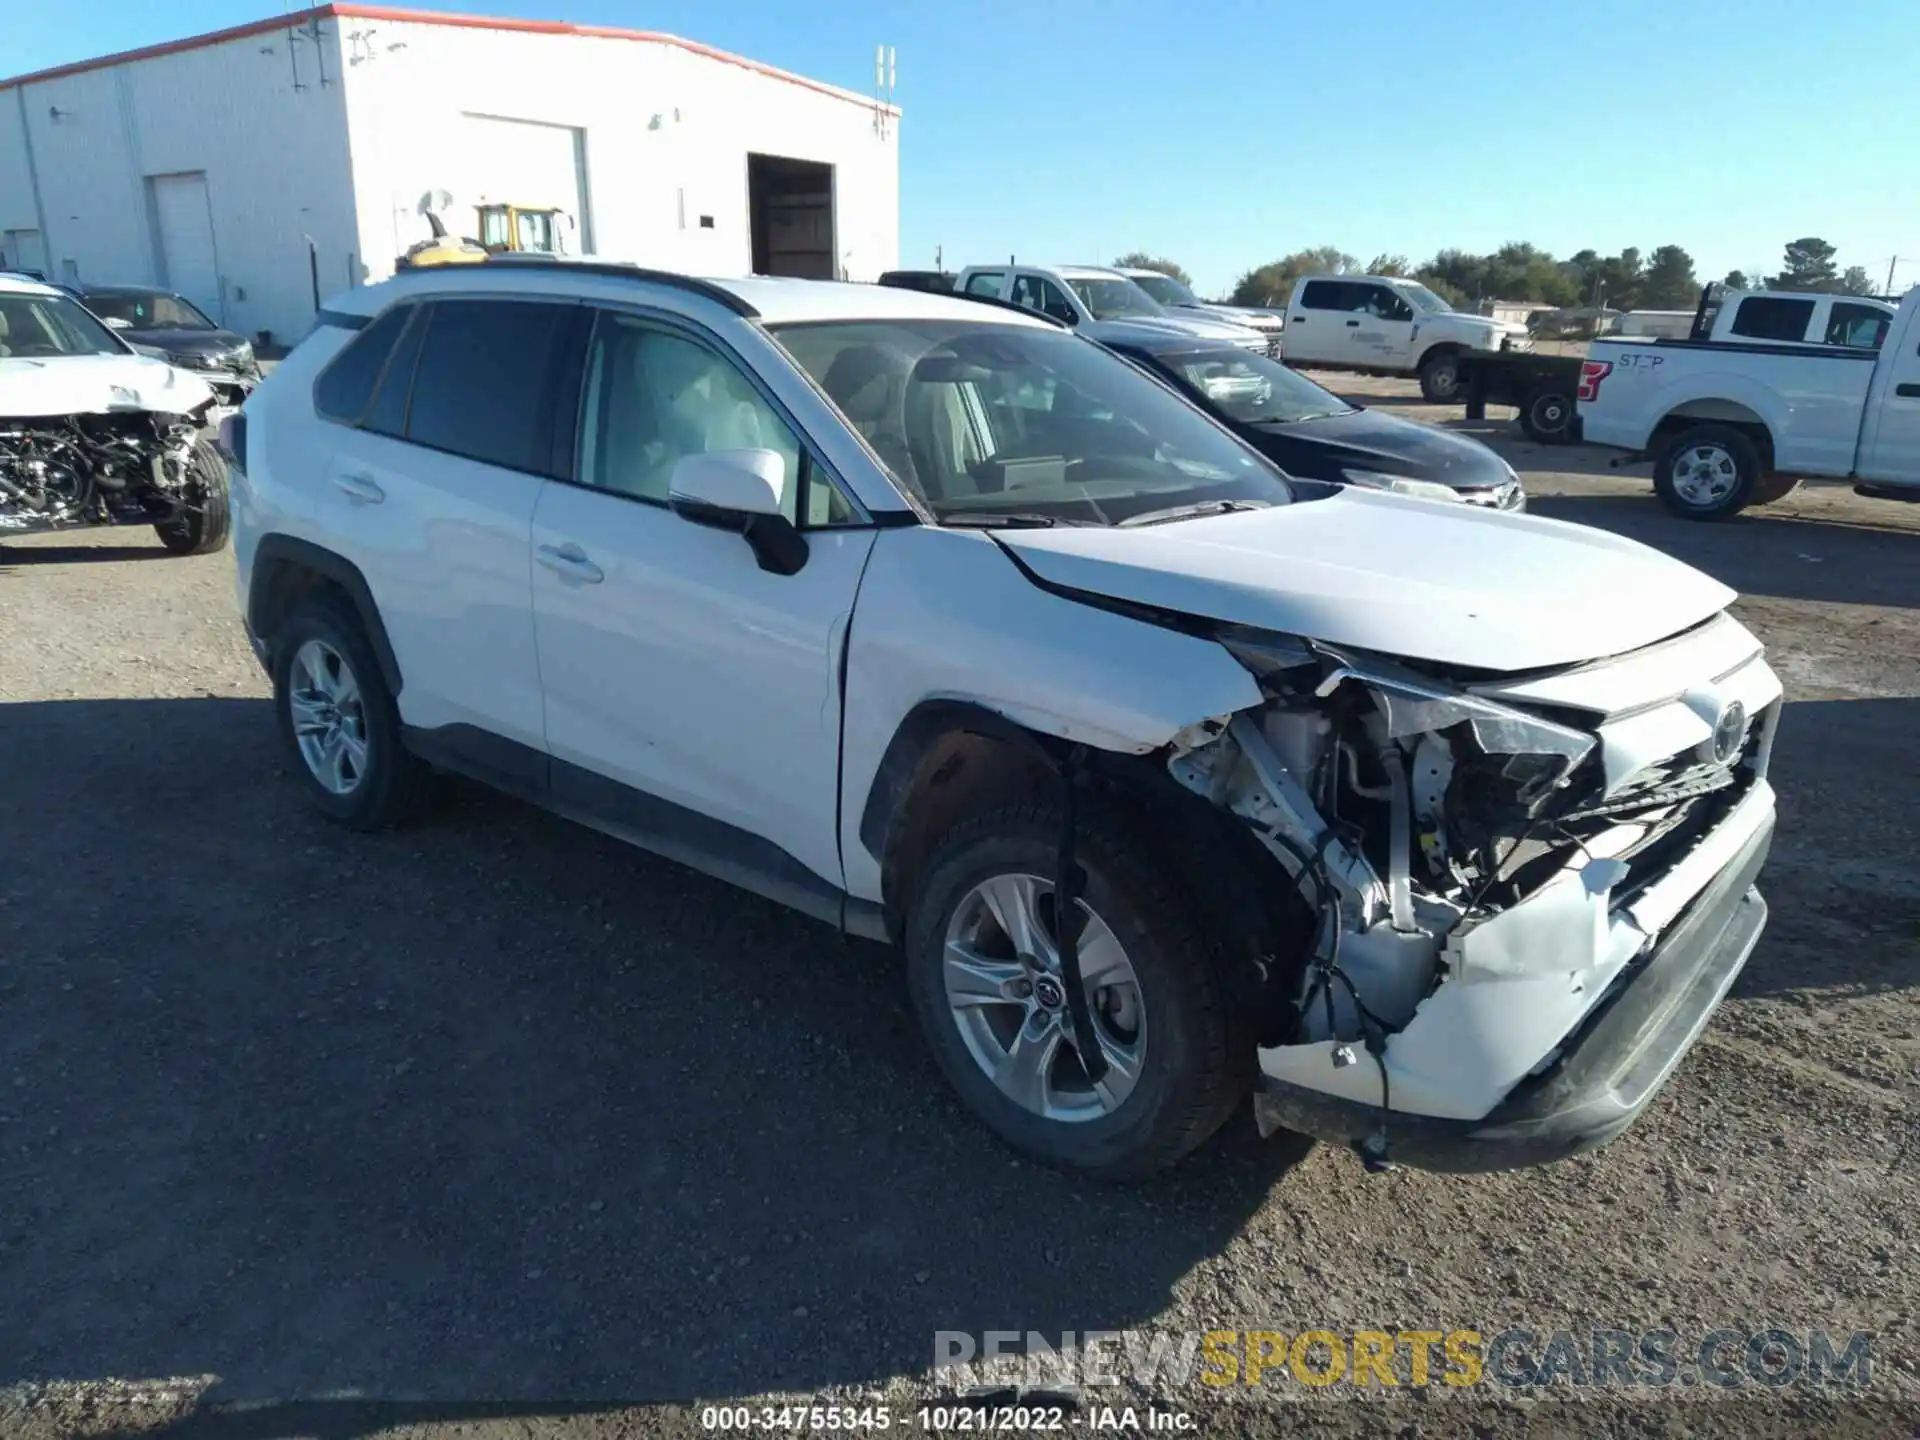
(345, 386)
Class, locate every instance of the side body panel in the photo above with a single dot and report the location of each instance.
(1810, 402)
(947, 615)
(1890, 438)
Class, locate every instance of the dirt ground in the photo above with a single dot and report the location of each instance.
(304, 1132)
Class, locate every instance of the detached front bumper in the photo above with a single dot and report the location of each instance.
(1608, 1069)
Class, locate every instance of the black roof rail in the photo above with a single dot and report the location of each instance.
(618, 269)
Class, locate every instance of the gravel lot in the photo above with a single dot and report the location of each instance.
(495, 1108)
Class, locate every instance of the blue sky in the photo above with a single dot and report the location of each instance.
(1230, 133)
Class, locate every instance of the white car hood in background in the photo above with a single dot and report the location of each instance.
(1427, 580)
(36, 386)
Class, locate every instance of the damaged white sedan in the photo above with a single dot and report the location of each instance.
(92, 433)
(1175, 780)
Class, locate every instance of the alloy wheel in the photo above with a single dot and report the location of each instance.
(1001, 970)
(324, 702)
(1704, 475)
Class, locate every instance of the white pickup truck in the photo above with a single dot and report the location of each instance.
(1731, 424)
(1391, 326)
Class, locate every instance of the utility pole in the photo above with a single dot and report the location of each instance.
(1893, 260)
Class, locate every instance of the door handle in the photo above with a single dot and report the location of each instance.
(359, 488)
(1909, 391)
(1352, 323)
(570, 562)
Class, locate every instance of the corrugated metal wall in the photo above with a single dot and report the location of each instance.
(666, 137)
(336, 135)
(274, 158)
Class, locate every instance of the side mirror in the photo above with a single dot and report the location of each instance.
(741, 491)
(116, 323)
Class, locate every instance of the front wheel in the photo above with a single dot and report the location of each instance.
(983, 968)
(1441, 378)
(202, 525)
(1707, 473)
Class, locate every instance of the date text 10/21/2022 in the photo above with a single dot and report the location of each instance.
(953, 1417)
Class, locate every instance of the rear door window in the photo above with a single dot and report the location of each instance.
(1772, 317)
(387, 414)
(1328, 295)
(988, 282)
(484, 386)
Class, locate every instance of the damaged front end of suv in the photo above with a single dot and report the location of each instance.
(1529, 892)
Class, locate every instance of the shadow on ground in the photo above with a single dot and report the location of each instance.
(1760, 553)
(26, 557)
(488, 1107)
(1844, 912)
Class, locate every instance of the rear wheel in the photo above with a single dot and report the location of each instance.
(984, 971)
(1547, 415)
(339, 720)
(1442, 377)
(201, 527)
(1707, 473)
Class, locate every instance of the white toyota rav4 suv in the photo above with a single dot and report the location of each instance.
(1173, 779)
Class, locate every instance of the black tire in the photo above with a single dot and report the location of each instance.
(1199, 1055)
(203, 528)
(1547, 415)
(1738, 463)
(1773, 486)
(394, 783)
(1442, 378)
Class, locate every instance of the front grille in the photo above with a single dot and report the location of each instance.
(1273, 346)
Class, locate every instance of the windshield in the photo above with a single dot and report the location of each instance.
(1113, 299)
(1165, 289)
(149, 312)
(1422, 298)
(989, 423)
(1252, 389)
(35, 325)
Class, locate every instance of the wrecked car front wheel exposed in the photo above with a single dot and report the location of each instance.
(981, 951)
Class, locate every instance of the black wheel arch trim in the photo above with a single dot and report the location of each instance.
(276, 550)
(1217, 859)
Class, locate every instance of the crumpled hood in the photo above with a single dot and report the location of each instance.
(185, 342)
(36, 386)
(1427, 580)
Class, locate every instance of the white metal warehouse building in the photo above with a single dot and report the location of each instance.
(249, 168)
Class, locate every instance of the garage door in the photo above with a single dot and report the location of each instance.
(186, 238)
(23, 250)
(526, 162)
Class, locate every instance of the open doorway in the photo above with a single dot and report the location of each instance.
(790, 213)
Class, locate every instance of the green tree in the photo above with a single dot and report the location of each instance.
(1140, 260)
(1854, 280)
(1389, 265)
(1808, 266)
(1736, 280)
(1271, 284)
(1669, 283)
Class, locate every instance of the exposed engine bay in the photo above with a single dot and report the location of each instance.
(115, 468)
(1486, 856)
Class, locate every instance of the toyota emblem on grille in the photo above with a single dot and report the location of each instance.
(1728, 731)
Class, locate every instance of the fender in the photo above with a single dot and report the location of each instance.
(276, 554)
